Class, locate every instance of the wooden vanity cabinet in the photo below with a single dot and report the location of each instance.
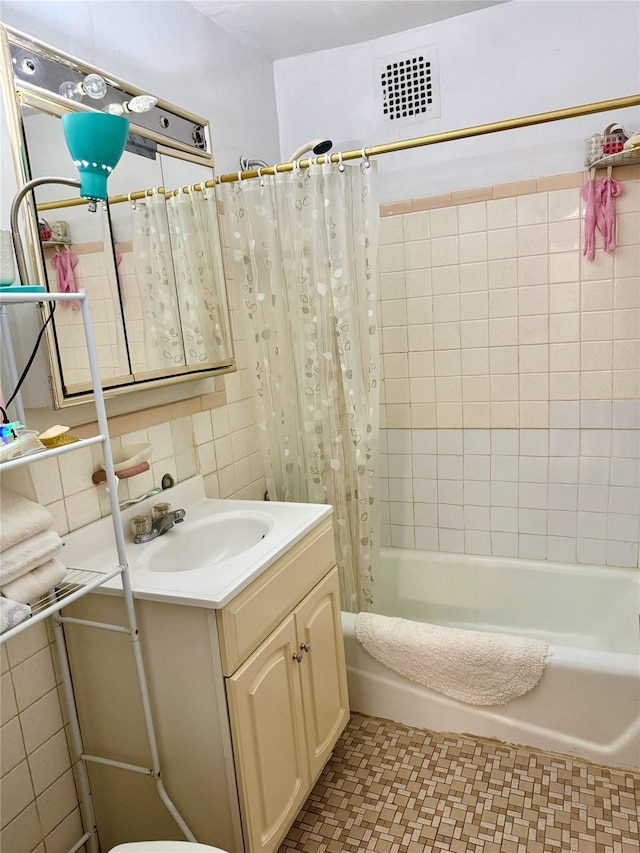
(288, 705)
(248, 700)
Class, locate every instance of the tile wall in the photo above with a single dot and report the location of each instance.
(511, 375)
(214, 435)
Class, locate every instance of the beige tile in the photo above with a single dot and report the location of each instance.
(423, 416)
(563, 328)
(564, 386)
(445, 335)
(626, 384)
(23, 833)
(596, 385)
(627, 293)
(504, 415)
(391, 258)
(49, 762)
(626, 324)
(502, 244)
(503, 331)
(444, 252)
(420, 310)
(41, 720)
(519, 188)
(560, 182)
(444, 222)
(449, 415)
(564, 297)
(475, 389)
(532, 209)
(564, 204)
(474, 305)
(503, 273)
(417, 256)
(65, 834)
(27, 643)
(391, 230)
(392, 285)
(431, 203)
(16, 793)
(420, 364)
(396, 208)
(472, 218)
(467, 198)
(8, 706)
(82, 508)
(534, 386)
(476, 415)
(501, 213)
(445, 279)
(534, 269)
(446, 308)
(503, 360)
(473, 277)
(447, 363)
(418, 283)
(534, 415)
(564, 357)
(4, 660)
(596, 355)
(626, 355)
(472, 248)
(597, 325)
(504, 387)
(448, 389)
(532, 240)
(564, 266)
(11, 746)
(503, 303)
(56, 802)
(475, 361)
(33, 678)
(564, 236)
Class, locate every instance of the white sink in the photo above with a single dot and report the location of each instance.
(219, 548)
(191, 547)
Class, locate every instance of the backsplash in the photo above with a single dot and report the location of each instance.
(510, 394)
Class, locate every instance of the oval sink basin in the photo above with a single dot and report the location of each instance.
(208, 541)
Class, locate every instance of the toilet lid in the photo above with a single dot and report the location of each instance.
(164, 847)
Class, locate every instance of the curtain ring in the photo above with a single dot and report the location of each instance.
(131, 201)
(366, 164)
(240, 176)
(340, 163)
(260, 176)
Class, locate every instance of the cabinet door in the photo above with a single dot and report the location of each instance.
(324, 681)
(268, 739)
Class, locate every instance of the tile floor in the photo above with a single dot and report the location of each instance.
(395, 789)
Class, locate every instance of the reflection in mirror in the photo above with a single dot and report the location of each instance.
(77, 253)
(150, 259)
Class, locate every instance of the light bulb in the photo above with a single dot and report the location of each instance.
(141, 103)
(94, 86)
(71, 91)
(115, 109)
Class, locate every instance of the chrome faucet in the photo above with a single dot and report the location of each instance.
(160, 526)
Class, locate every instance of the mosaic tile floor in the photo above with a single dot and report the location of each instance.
(394, 789)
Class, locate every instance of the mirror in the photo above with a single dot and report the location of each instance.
(150, 258)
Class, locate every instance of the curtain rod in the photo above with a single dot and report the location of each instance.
(387, 148)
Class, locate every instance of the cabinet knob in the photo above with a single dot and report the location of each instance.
(305, 647)
(297, 657)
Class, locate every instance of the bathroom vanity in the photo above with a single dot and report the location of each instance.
(246, 672)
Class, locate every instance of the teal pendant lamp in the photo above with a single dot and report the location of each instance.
(96, 142)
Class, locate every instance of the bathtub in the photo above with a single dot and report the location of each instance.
(587, 703)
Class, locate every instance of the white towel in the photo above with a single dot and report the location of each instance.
(12, 613)
(476, 667)
(27, 555)
(20, 519)
(35, 583)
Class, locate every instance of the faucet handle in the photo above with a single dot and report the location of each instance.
(160, 510)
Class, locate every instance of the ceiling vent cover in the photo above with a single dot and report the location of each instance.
(409, 86)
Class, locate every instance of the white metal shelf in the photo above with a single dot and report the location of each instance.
(75, 584)
(78, 583)
(37, 455)
(631, 157)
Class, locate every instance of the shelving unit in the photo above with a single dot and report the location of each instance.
(78, 583)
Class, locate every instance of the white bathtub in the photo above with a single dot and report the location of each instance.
(587, 703)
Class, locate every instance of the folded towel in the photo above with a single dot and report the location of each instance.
(12, 613)
(35, 583)
(20, 519)
(476, 667)
(28, 555)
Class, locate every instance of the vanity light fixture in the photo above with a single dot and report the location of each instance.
(139, 104)
(93, 85)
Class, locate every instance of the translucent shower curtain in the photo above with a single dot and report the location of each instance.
(156, 281)
(194, 236)
(305, 248)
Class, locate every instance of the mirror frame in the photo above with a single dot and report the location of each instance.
(16, 93)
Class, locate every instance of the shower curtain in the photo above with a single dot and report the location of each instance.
(304, 245)
(156, 281)
(193, 226)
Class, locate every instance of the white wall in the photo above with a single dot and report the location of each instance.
(510, 60)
